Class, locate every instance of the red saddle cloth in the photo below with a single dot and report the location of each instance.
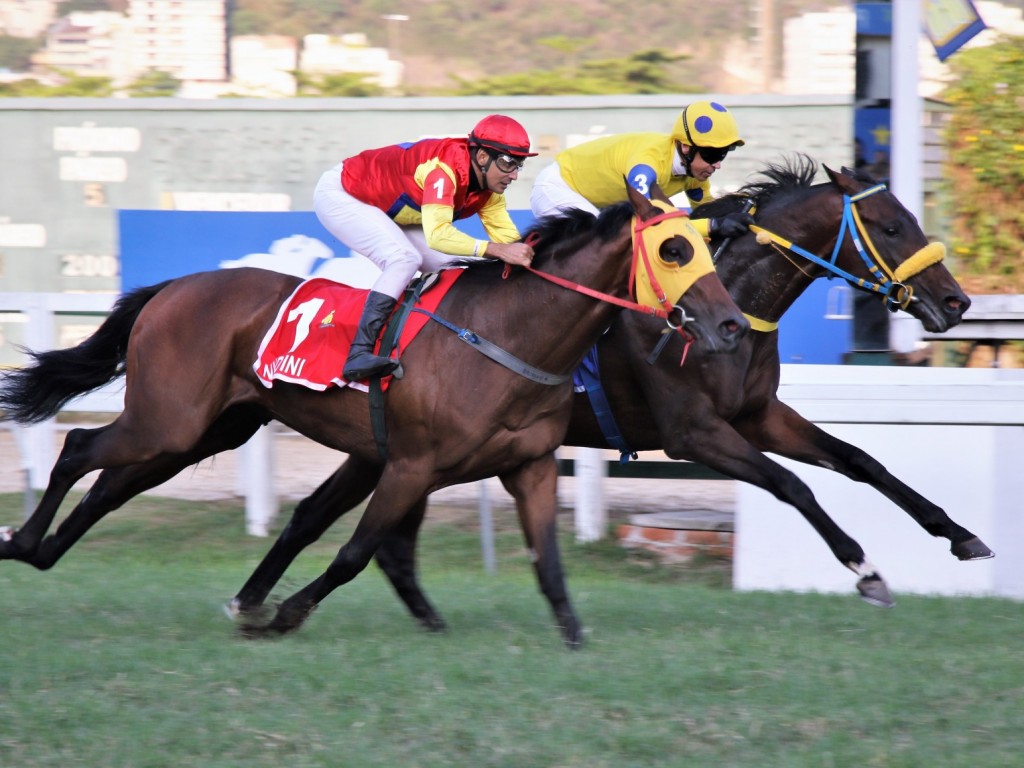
(309, 340)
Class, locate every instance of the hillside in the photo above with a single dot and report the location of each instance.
(443, 39)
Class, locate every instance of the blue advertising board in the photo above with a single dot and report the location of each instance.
(160, 245)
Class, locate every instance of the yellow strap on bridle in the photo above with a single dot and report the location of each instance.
(762, 326)
(932, 253)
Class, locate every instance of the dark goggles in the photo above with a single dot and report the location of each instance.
(712, 155)
(507, 163)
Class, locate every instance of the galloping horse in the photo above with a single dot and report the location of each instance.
(186, 348)
(721, 411)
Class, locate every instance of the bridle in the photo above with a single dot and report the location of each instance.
(888, 282)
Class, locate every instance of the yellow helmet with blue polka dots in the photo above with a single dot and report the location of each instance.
(707, 124)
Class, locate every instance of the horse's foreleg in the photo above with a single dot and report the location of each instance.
(785, 432)
(534, 487)
(73, 463)
(397, 493)
(720, 447)
(347, 487)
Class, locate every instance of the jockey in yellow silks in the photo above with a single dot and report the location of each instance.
(590, 175)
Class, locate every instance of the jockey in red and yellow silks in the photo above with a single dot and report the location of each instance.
(429, 183)
(396, 204)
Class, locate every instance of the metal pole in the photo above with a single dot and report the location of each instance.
(486, 528)
(907, 143)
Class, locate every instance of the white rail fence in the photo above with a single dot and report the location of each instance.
(956, 435)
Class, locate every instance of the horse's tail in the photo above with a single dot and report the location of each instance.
(39, 390)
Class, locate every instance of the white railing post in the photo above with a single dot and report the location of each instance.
(256, 471)
(591, 514)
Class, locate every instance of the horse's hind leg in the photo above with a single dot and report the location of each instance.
(73, 463)
(350, 484)
(534, 488)
(116, 486)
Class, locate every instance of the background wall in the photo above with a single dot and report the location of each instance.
(70, 165)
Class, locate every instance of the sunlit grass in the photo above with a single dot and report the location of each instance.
(121, 656)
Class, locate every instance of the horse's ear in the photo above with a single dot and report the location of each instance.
(657, 193)
(641, 205)
(845, 182)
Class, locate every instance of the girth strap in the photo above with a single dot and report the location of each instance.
(388, 342)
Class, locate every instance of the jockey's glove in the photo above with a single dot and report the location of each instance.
(730, 225)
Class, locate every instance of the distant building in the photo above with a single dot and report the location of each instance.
(325, 54)
(188, 40)
(88, 44)
(26, 18)
(264, 65)
(818, 53)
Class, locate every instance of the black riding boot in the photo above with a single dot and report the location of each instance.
(362, 363)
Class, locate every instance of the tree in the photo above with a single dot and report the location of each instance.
(985, 167)
(72, 85)
(16, 52)
(337, 85)
(640, 72)
(154, 83)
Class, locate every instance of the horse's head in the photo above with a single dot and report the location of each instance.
(886, 240)
(673, 271)
(850, 227)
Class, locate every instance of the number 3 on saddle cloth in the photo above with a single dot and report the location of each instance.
(309, 340)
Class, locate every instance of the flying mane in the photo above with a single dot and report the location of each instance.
(793, 173)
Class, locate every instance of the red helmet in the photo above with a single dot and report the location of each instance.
(501, 133)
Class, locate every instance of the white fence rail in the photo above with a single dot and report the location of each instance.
(956, 435)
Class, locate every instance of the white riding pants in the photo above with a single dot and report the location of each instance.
(400, 252)
(551, 195)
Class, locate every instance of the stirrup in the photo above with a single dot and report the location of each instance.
(373, 368)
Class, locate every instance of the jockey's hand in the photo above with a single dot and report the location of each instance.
(730, 225)
(517, 254)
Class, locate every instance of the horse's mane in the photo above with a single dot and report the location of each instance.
(562, 233)
(793, 173)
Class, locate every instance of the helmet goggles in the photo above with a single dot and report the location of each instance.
(507, 163)
(713, 155)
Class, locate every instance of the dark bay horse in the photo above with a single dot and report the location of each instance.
(186, 348)
(722, 411)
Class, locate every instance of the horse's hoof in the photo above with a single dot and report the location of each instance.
(434, 624)
(874, 591)
(231, 609)
(572, 635)
(6, 533)
(972, 549)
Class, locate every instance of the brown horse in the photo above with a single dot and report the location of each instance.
(721, 411)
(187, 349)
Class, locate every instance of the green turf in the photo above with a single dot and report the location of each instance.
(120, 657)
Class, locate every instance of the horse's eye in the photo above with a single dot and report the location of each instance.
(679, 253)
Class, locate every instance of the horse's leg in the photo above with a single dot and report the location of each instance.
(398, 491)
(72, 465)
(534, 487)
(346, 488)
(396, 556)
(785, 432)
(116, 486)
(719, 446)
(340, 493)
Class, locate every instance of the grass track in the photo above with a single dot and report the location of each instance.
(120, 657)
